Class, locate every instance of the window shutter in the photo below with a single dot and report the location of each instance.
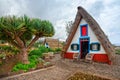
(98, 46)
(90, 46)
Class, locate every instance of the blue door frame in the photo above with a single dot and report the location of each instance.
(82, 40)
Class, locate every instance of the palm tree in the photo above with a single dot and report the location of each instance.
(18, 31)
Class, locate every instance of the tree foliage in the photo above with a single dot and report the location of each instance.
(19, 30)
(69, 25)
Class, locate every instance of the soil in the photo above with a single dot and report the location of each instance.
(63, 69)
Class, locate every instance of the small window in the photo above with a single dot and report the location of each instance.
(95, 46)
(46, 45)
(84, 30)
(74, 47)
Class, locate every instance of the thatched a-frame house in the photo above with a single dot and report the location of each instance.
(53, 43)
(87, 37)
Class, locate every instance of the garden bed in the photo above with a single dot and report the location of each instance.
(85, 76)
(36, 58)
(39, 66)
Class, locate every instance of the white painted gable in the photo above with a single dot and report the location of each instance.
(92, 36)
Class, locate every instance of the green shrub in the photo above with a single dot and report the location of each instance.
(43, 49)
(24, 67)
(37, 44)
(1, 62)
(2, 55)
(117, 51)
(50, 50)
(40, 60)
(47, 63)
(57, 49)
(39, 52)
(34, 58)
(33, 62)
(6, 48)
(14, 50)
(36, 52)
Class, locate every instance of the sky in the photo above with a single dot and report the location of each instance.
(59, 12)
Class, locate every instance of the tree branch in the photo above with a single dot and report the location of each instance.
(20, 33)
(7, 33)
(33, 41)
(20, 42)
(14, 43)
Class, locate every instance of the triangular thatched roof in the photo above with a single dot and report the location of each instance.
(81, 13)
(53, 43)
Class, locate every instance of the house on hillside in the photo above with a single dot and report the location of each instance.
(86, 38)
(52, 43)
(117, 47)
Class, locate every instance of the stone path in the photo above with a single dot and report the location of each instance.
(64, 68)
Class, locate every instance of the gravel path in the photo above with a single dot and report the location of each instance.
(64, 68)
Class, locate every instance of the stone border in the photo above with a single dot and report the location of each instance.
(43, 69)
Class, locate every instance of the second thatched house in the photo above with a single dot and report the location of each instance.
(53, 43)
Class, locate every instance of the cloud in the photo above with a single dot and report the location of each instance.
(97, 8)
(109, 21)
(105, 12)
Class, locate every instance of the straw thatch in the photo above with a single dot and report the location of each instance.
(81, 13)
(53, 43)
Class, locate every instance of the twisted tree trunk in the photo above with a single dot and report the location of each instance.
(23, 49)
(24, 56)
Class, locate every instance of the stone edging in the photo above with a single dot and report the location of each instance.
(27, 73)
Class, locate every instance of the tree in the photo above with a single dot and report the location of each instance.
(18, 31)
(69, 25)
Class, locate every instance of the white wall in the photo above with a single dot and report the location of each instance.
(92, 36)
(75, 40)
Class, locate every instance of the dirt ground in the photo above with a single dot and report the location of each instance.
(64, 68)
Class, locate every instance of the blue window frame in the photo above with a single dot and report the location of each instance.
(95, 46)
(75, 47)
(84, 30)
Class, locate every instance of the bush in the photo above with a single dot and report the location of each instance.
(9, 49)
(33, 62)
(24, 67)
(50, 50)
(57, 49)
(2, 56)
(39, 52)
(37, 44)
(43, 49)
(117, 51)
(36, 52)
(34, 58)
(6, 48)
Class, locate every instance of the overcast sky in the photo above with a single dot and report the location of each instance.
(105, 12)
